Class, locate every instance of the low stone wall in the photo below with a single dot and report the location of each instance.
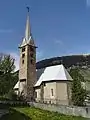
(68, 110)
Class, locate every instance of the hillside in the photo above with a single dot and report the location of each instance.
(83, 61)
(68, 61)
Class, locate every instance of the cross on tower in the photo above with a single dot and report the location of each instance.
(27, 8)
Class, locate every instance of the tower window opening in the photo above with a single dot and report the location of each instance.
(31, 49)
(31, 55)
(31, 61)
(35, 94)
(22, 61)
(23, 49)
(23, 55)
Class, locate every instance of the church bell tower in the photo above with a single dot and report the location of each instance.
(27, 66)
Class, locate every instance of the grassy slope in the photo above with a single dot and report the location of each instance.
(36, 114)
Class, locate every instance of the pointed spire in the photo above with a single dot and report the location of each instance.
(27, 31)
(28, 39)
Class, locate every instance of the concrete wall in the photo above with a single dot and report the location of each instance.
(68, 110)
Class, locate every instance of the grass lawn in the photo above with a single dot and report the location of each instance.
(28, 113)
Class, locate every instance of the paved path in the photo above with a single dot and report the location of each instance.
(3, 112)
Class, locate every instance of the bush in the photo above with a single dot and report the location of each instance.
(3, 98)
(12, 96)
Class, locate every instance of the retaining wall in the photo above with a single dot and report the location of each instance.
(68, 110)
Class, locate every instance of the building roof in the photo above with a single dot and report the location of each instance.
(57, 72)
(28, 28)
(17, 85)
(28, 39)
(38, 72)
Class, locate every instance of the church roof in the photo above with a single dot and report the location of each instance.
(51, 73)
(39, 72)
(17, 85)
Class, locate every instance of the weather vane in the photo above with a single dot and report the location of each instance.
(27, 8)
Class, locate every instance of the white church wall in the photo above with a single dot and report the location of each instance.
(62, 93)
(48, 97)
(37, 94)
(16, 92)
(54, 92)
(50, 92)
(22, 87)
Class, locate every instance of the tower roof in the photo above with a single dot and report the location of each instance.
(28, 39)
(27, 30)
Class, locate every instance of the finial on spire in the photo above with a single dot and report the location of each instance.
(27, 8)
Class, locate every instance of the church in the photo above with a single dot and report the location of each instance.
(50, 85)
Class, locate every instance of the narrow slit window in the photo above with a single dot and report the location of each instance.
(23, 49)
(31, 49)
(35, 94)
(31, 61)
(23, 55)
(22, 61)
(52, 92)
(31, 55)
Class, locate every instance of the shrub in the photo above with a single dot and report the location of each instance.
(12, 95)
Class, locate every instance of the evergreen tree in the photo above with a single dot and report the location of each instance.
(78, 92)
(7, 76)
